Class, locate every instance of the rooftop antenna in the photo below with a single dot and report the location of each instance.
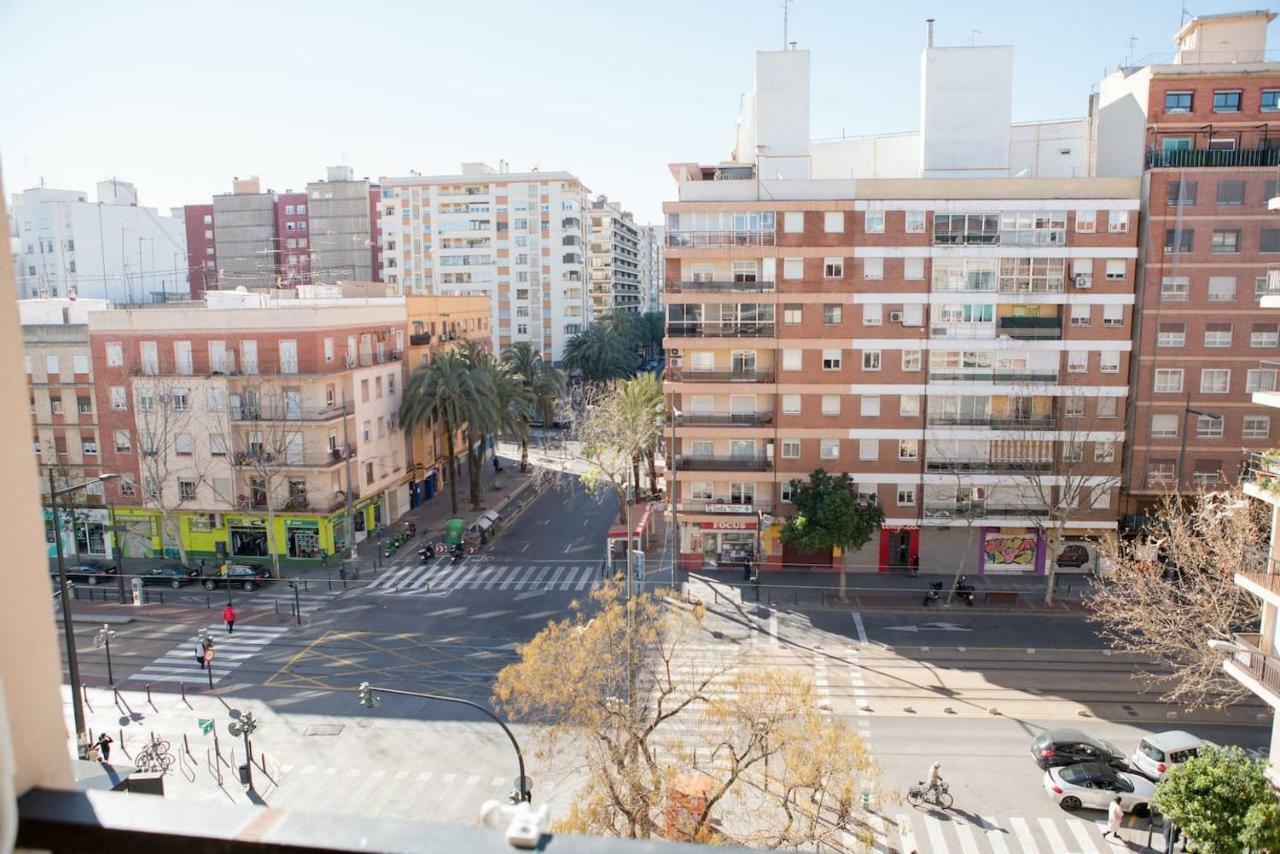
(786, 21)
(1128, 60)
(973, 37)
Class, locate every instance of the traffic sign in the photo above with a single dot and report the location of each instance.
(208, 653)
(206, 725)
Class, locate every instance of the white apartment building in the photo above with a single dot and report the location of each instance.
(652, 267)
(113, 249)
(520, 237)
(615, 260)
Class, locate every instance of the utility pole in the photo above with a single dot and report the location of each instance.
(786, 21)
(68, 629)
(346, 456)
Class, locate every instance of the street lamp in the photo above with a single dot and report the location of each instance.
(1182, 451)
(245, 727)
(524, 789)
(68, 631)
(101, 639)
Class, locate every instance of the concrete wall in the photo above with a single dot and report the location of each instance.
(1224, 39)
(782, 113)
(339, 225)
(965, 105)
(941, 548)
(1121, 123)
(245, 243)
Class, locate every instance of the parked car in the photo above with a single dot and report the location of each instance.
(1095, 785)
(87, 571)
(248, 576)
(1073, 556)
(1069, 746)
(173, 574)
(1158, 753)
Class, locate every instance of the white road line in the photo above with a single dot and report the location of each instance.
(524, 548)
(862, 630)
(448, 778)
(906, 835)
(1025, 839)
(1050, 831)
(567, 583)
(567, 548)
(511, 579)
(478, 581)
(964, 830)
(400, 775)
(995, 836)
(555, 578)
(389, 580)
(423, 579)
(541, 581)
(424, 776)
(1084, 834)
(588, 577)
(497, 781)
(444, 578)
(937, 844)
(773, 626)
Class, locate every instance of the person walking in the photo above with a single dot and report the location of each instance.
(913, 565)
(104, 746)
(229, 617)
(1115, 815)
(200, 655)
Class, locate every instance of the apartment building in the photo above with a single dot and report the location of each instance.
(244, 235)
(438, 324)
(64, 418)
(956, 342)
(519, 237)
(340, 226)
(247, 408)
(65, 245)
(1199, 128)
(615, 260)
(202, 250)
(652, 267)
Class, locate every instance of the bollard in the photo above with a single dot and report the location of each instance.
(161, 592)
(149, 703)
(186, 746)
(116, 693)
(330, 582)
(84, 692)
(206, 600)
(277, 601)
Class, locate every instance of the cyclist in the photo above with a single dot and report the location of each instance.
(935, 776)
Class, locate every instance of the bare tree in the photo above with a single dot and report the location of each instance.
(960, 502)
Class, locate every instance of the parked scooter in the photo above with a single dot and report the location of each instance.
(458, 552)
(964, 591)
(935, 588)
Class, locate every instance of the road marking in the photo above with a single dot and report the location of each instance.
(588, 578)
(906, 835)
(968, 844)
(568, 548)
(524, 548)
(377, 773)
(773, 626)
(511, 578)
(1050, 831)
(497, 781)
(995, 836)
(937, 844)
(424, 776)
(400, 775)
(554, 580)
(1082, 832)
(862, 630)
(1023, 832)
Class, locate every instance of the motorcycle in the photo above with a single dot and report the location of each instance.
(458, 552)
(935, 588)
(964, 591)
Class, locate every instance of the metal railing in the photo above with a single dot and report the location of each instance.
(693, 239)
(272, 413)
(989, 466)
(721, 287)
(720, 330)
(981, 510)
(1031, 327)
(728, 419)
(1259, 663)
(995, 422)
(994, 376)
(716, 463)
(686, 375)
(1204, 157)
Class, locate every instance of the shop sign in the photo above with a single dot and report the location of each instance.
(730, 508)
(301, 523)
(244, 522)
(729, 525)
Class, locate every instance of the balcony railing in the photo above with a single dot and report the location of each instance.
(982, 510)
(713, 463)
(993, 376)
(989, 466)
(687, 375)
(1261, 664)
(720, 330)
(995, 422)
(712, 287)
(1041, 286)
(1031, 327)
(418, 339)
(724, 419)
(693, 239)
(1240, 157)
(257, 413)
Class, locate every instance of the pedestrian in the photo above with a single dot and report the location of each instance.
(1115, 815)
(229, 617)
(202, 567)
(913, 565)
(324, 557)
(104, 746)
(200, 655)
(746, 570)
(497, 466)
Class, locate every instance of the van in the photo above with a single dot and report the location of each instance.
(1157, 754)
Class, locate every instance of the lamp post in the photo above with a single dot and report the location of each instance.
(101, 639)
(68, 631)
(369, 699)
(1182, 450)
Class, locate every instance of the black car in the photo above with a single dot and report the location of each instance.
(173, 574)
(88, 572)
(247, 576)
(1069, 746)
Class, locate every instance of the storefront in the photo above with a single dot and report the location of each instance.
(247, 536)
(302, 538)
(85, 532)
(1008, 550)
(898, 546)
(711, 541)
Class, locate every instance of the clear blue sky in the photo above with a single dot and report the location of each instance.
(178, 100)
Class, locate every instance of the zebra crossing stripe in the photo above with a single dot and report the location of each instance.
(964, 830)
(937, 844)
(1050, 831)
(476, 581)
(443, 578)
(555, 578)
(1023, 832)
(995, 837)
(1081, 831)
(390, 580)
(510, 580)
(587, 578)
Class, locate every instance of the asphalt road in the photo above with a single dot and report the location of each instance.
(565, 523)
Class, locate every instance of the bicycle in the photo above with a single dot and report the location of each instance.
(938, 795)
(154, 757)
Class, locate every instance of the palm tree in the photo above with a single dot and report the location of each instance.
(641, 408)
(599, 354)
(440, 394)
(653, 327)
(543, 385)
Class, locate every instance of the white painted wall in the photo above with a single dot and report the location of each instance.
(965, 106)
(782, 113)
(1049, 149)
(894, 155)
(55, 312)
(1120, 125)
(1224, 39)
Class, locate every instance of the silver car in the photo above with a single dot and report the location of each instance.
(1157, 754)
(1095, 785)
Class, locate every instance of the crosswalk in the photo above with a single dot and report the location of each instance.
(308, 601)
(443, 574)
(230, 651)
(939, 832)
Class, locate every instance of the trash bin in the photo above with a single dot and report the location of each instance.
(244, 774)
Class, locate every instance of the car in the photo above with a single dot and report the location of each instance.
(248, 576)
(1158, 753)
(173, 574)
(1095, 785)
(1068, 746)
(87, 571)
(1073, 556)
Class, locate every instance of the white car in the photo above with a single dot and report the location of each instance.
(1094, 785)
(1157, 754)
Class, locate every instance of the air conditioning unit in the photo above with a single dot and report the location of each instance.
(1083, 281)
(895, 317)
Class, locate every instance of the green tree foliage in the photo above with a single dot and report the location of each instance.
(543, 386)
(599, 354)
(441, 394)
(828, 514)
(1222, 801)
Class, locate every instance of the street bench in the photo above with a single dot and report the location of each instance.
(1002, 597)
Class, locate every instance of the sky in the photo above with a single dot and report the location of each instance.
(180, 98)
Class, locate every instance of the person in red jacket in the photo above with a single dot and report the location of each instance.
(229, 617)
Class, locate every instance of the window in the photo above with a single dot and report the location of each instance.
(1109, 362)
(1261, 286)
(1227, 101)
(1215, 380)
(84, 405)
(186, 490)
(870, 360)
(1168, 380)
(872, 314)
(1113, 315)
(793, 222)
(875, 222)
(89, 446)
(791, 449)
(182, 445)
(1117, 222)
(1164, 426)
(1260, 379)
(1086, 222)
(868, 449)
(1179, 239)
(791, 360)
(833, 222)
(1174, 288)
(906, 496)
(124, 444)
(791, 404)
(1171, 335)
(915, 222)
(51, 366)
(831, 360)
(1269, 240)
(1182, 192)
(913, 268)
(1072, 452)
(1209, 427)
(831, 404)
(288, 357)
(911, 360)
(830, 449)
(1225, 241)
(1077, 362)
(1115, 269)
(1222, 288)
(1217, 335)
(784, 492)
(792, 314)
(179, 400)
(80, 364)
(217, 445)
(1264, 335)
(1108, 407)
(908, 449)
(1177, 102)
(870, 406)
(1074, 406)
(909, 405)
(55, 405)
(833, 268)
(367, 431)
(873, 268)
(1256, 427)
(831, 314)
(793, 268)
(115, 354)
(1231, 192)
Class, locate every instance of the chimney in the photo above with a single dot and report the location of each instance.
(928, 32)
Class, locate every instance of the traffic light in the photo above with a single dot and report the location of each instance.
(367, 698)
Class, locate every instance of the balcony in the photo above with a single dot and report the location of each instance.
(1255, 662)
(724, 419)
(248, 414)
(1240, 157)
(983, 510)
(1031, 328)
(993, 376)
(267, 460)
(420, 339)
(995, 422)
(1037, 286)
(719, 330)
(720, 287)
(731, 463)
(988, 466)
(688, 375)
(697, 239)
